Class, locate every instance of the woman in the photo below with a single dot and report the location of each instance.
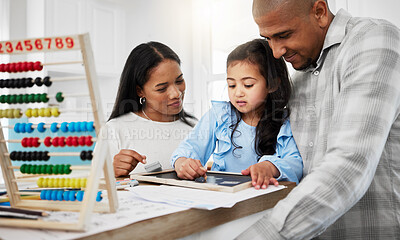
(148, 121)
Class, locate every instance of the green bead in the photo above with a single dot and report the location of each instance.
(31, 98)
(67, 169)
(11, 99)
(44, 98)
(23, 168)
(42, 169)
(59, 97)
(56, 169)
(37, 98)
(49, 169)
(18, 98)
(25, 98)
(6, 99)
(32, 168)
(2, 99)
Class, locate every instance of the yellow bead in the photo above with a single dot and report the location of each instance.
(62, 182)
(10, 113)
(55, 112)
(39, 182)
(35, 112)
(66, 182)
(1, 113)
(52, 182)
(41, 112)
(47, 112)
(28, 112)
(83, 182)
(45, 182)
(17, 113)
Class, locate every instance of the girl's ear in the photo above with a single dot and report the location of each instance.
(139, 91)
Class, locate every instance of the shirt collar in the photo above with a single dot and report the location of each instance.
(335, 35)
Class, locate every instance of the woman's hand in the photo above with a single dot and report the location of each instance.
(126, 160)
(187, 168)
(262, 174)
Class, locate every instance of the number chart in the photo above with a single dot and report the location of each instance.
(54, 191)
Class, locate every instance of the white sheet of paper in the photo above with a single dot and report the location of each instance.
(196, 198)
(132, 209)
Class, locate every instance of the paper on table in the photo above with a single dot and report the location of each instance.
(131, 210)
(196, 198)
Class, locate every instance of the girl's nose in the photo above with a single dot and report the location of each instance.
(175, 92)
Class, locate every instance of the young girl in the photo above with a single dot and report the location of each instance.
(148, 121)
(251, 133)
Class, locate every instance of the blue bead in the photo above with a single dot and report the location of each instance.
(22, 127)
(40, 127)
(60, 195)
(71, 127)
(83, 126)
(65, 196)
(43, 194)
(54, 127)
(54, 195)
(77, 127)
(72, 195)
(48, 195)
(79, 196)
(16, 127)
(64, 127)
(28, 128)
(89, 126)
(99, 197)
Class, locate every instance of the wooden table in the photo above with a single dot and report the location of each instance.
(184, 223)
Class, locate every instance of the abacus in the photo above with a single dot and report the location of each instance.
(85, 201)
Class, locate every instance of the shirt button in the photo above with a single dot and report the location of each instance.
(316, 73)
(311, 144)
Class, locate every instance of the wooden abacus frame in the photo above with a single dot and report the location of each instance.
(88, 205)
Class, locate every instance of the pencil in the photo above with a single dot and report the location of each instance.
(19, 217)
(24, 211)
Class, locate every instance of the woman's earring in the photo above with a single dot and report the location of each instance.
(142, 100)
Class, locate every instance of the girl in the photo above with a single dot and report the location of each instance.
(148, 116)
(251, 133)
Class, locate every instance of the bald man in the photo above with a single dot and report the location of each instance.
(345, 120)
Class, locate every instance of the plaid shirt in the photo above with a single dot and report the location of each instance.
(345, 120)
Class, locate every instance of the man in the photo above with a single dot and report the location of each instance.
(345, 120)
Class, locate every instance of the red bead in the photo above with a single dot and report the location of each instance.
(29, 66)
(89, 141)
(38, 66)
(6, 67)
(55, 141)
(2, 67)
(61, 141)
(69, 141)
(35, 142)
(29, 142)
(18, 67)
(11, 68)
(24, 67)
(75, 141)
(23, 142)
(82, 140)
(47, 141)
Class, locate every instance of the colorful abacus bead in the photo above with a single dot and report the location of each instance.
(60, 195)
(47, 141)
(61, 141)
(29, 128)
(64, 127)
(54, 127)
(59, 97)
(46, 81)
(55, 112)
(89, 141)
(90, 126)
(71, 127)
(16, 127)
(41, 128)
(35, 112)
(47, 112)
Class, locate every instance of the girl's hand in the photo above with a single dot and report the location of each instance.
(187, 168)
(262, 174)
(126, 160)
